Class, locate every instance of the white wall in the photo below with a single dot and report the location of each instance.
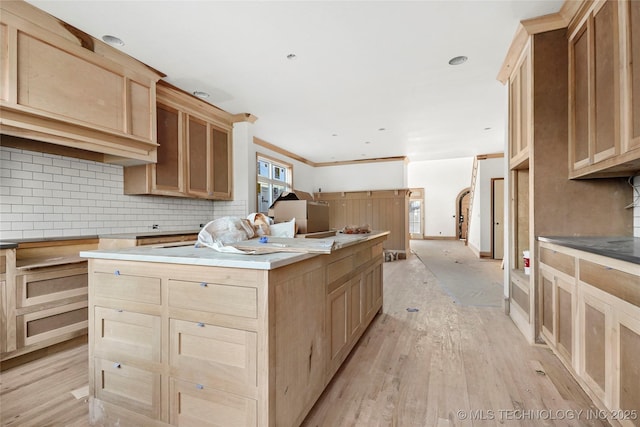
(480, 226)
(356, 177)
(442, 181)
(46, 195)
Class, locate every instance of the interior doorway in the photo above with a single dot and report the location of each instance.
(462, 214)
(416, 213)
(497, 218)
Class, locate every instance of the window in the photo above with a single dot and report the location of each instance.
(274, 178)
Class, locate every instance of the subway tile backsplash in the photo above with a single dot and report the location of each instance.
(44, 195)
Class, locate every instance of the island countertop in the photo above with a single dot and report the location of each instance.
(204, 256)
(619, 247)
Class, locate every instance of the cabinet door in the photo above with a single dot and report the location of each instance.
(520, 111)
(222, 164)
(596, 348)
(628, 390)
(594, 125)
(338, 317)
(128, 386)
(631, 10)
(198, 405)
(579, 107)
(198, 157)
(3, 313)
(168, 171)
(605, 82)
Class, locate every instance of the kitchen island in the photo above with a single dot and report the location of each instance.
(189, 336)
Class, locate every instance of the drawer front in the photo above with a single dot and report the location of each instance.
(49, 285)
(127, 386)
(615, 282)
(197, 405)
(126, 334)
(211, 354)
(561, 262)
(120, 285)
(339, 268)
(45, 325)
(214, 298)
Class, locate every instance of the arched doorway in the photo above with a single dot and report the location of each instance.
(462, 214)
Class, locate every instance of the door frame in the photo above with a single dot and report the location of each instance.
(417, 194)
(459, 197)
(493, 216)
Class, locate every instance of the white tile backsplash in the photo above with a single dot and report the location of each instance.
(44, 195)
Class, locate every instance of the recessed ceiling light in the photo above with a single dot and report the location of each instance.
(112, 40)
(291, 56)
(201, 94)
(458, 60)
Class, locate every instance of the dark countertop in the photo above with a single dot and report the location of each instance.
(8, 245)
(619, 247)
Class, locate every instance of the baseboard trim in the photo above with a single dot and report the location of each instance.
(440, 238)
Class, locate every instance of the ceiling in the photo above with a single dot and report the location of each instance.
(370, 79)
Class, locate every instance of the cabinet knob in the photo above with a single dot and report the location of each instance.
(199, 386)
(200, 325)
(203, 284)
(117, 272)
(119, 310)
(116, 365)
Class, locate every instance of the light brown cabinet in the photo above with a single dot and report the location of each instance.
(520, 111)
(183, 345)
(381, 209)
(543, 200)
(591, 320)
(44, 295)
(7, 300)
(194, 153)
(604, 117)
(62, 86)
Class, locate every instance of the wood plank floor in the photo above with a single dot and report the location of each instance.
(443, 365)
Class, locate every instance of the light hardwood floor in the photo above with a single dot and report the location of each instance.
(431, 367)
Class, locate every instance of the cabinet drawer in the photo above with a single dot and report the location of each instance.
(214, 298)
(211, 354)
(127, 386)
(121, 285)
(126, 334)
(197, 405)
(613, 281)
(48, 285)
(561, 262)
(52, 323)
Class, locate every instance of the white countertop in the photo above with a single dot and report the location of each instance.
(191, 255)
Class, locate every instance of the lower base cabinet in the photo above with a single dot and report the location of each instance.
(591, 320)
(189, 345)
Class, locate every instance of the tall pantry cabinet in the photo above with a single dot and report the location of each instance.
(543, 200)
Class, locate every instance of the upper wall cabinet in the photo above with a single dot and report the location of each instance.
(61, 86)
(520, 110)
(604, 84)
(194, 152)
